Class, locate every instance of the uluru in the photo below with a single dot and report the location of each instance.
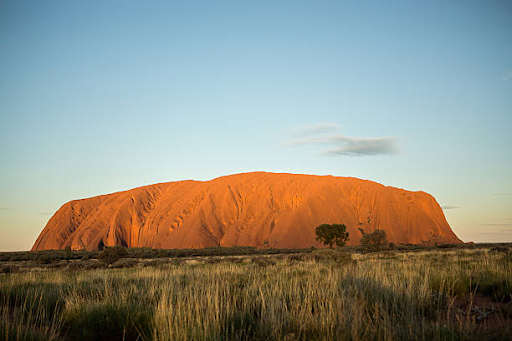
(257, 209)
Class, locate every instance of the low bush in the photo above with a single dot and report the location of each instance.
(297, 258)
(93, 265)
(500, 249)
(445, 246)
(335, 256)
(375, 241)
(111, 254)
(9, 269)
(48, 258)
(263, 261)
(75, 266)
(124, 263)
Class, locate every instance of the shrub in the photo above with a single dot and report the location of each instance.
(9, 269)
(74, 266)
(342, 258)
(94, 265)
(296, 258)
(111, 254)
(48, 258)
(445, 246)
(499, 249)
(213, 261)
(263, 261)
(375, 241)
(124, 263)
(335, 256)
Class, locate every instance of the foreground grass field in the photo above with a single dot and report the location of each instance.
(322, 295)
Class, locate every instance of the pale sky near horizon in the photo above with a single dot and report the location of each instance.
(103, 96)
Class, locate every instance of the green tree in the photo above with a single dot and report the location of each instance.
(332, 234)
(374, 241)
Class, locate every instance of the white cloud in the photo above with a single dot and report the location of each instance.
(508, 76)
(339, 144)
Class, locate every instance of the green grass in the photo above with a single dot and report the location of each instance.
(323, 295)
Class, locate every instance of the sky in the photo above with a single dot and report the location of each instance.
(102, 96)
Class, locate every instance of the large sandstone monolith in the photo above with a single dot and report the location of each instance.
(256, 209)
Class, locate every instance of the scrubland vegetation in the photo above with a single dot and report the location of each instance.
(424, 294)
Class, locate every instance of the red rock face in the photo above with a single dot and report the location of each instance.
(255, 209)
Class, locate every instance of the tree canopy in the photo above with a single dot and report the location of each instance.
(332, 234)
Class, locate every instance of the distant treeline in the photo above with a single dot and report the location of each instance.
(50, 256)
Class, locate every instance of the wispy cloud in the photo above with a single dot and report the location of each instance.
(503, 193)
(497, 224)
(357, 146)
(508, 76)
(7, 209)
(496, 233)
(44, 213)
(496, 229)
(339, 144)
(317, 128)
(448, 207)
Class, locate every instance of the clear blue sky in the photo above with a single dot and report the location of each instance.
(102, 96)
